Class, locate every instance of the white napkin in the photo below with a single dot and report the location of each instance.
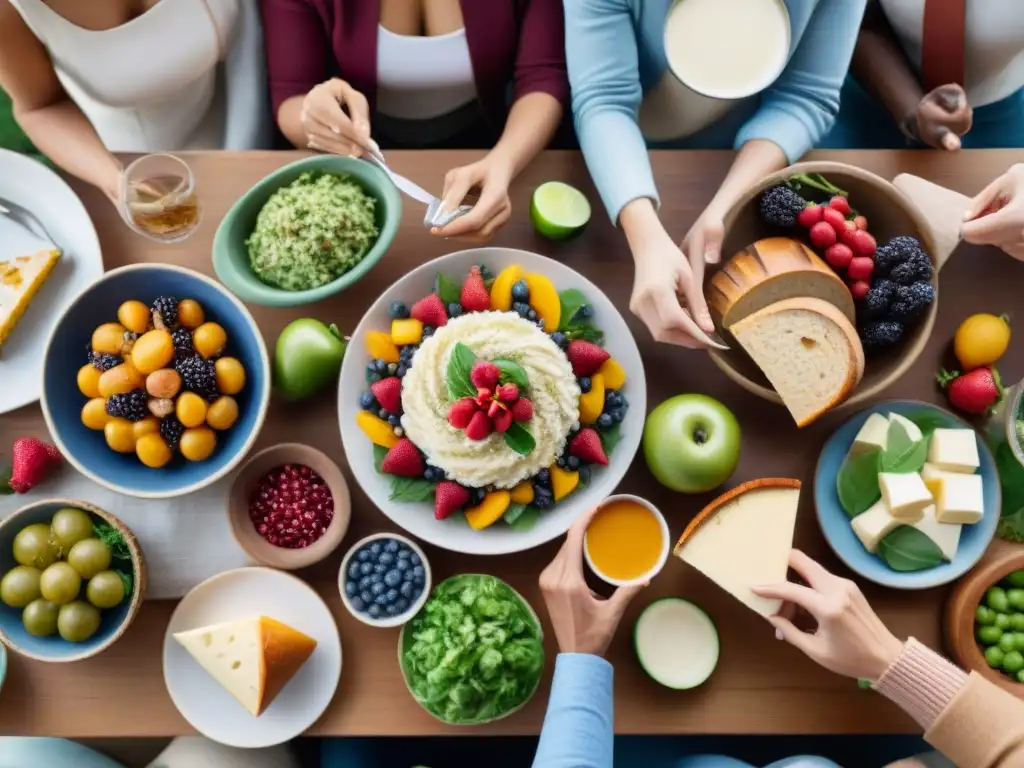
(185, 540)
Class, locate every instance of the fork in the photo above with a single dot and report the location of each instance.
(435, 216)
(25, 218)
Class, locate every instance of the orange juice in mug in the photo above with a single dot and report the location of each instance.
(627, 541)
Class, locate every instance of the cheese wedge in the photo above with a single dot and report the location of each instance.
(961, 499)
(905, 495)
(252, 659)
(744, 538)
(954, 450)
(20, 280)
(872, 436)
(874, 525)
(913, 431)
(945, 535)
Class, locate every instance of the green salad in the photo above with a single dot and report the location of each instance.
(475, 652)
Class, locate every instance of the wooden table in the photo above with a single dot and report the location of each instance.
(761, 685)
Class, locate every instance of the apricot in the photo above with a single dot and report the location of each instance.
(523, 493)
(381, 346)
(489, 510)
(94, 414)
(379, 431)
(119, 379)
(152, 351)
(405, 332)
(501, 289)
(592, 402)
(563, 482)
(545, 301)
(108, 339)
(614, 375)
(89, 380)
(134, 315)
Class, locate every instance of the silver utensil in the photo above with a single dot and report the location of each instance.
(25, 218)
(435, 216)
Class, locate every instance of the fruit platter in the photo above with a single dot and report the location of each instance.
(494, 396)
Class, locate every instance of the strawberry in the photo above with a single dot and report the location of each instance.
(586, 446)
(479, 426)
(388, 393)
(502, 420)
(461, 412)
(822, 235)
(475, 297)
(522, 410)
(834, 219)
(507, 393)
(809, 216)
(585, 357)
(841, 204)
(449, 497)
(430, 311)
(31, 461)
(484, 375)
(974, 392)
(403, 459)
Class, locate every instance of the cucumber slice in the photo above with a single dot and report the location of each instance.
(558, 211)
(676, 643)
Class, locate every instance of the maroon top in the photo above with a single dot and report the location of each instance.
(510, 41)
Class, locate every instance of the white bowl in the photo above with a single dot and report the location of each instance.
(413, 609)
(453, 533)
(662, 558)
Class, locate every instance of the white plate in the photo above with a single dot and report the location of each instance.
(238, 594)
(30, 183)
(454, 533)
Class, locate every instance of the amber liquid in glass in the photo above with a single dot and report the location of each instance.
(161, 207)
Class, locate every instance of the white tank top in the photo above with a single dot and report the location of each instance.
(419, 78)
(150, 84)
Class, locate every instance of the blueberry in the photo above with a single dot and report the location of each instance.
(572, 463)
(366, 597)
(617, 415)
(559, 338)
(380, 569)
(520, 291)
(373, 378)
(366, 568)
(604, 421)
(386, 558)
(531, 315)
(407, 576)
(398, 310)
(543, 502)
(371, 367)
(383, 413)
(381, 365)
(584, 312)
(390, 610)
(560, 461)
(358, 604)
(353, 570)
(418, 574)
(541, 490)
(403, 552)
(351, 588)
(543, 477)
(365, 582)
(374, 611)
(403, 564)
(395, 420)
(428, 331)
(415, 559)
(378, 589)
(454, 310)
(520, 308)
(405, 589)
(429, 474)
(393, 578)
(585, 475)
(391, 595)
(401, 605)
(367, 401)
(584, 383)
(381, 600)
(401, 370)
(376, 548)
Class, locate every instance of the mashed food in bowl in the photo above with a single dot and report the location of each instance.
(312, 231)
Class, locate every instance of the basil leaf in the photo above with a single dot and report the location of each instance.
(928, 420)
(519, 439)
(897, 441)
(513, 513)
(411, 489)
(584, 331)
(610, 438)
(449, 291)
(513, 372)
(459, 365)
(572, 299)
(526, 520)
(857, 483)
(910, 460)
(379, 452)
(907, 549)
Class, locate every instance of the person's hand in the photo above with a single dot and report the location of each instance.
(850, 639)
(336, 119)
(492, 210)
(583, 622)
(996, 215)
(943, 116)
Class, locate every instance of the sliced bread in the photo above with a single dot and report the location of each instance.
(772, 270)
(809, 351)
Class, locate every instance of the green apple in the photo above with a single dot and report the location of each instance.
(691, 443)
(307, 357)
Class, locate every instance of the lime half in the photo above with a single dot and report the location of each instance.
(559, 211)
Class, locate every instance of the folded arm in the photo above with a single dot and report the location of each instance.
(578, 727)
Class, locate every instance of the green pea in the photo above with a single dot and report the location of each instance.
(1016, 579)
(1020, 676)
(1002, 620)
(1013, 662)
(1018, 641)
(1017, 622)
(996, 599)
(1007, 642)
(989, 635)
(994, 657)
(984, 615)
(1016, 599)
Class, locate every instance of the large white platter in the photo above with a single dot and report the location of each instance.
(239, 594)
(454, 533)
(34, 186)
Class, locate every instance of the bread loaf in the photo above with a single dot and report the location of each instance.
(772, 270)
(809, 351)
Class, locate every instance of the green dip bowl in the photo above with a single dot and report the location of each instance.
(231, 257)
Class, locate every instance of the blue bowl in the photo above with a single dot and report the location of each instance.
(65, 353)
(115, 621)
(836, 525)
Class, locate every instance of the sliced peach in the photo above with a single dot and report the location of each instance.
(379, 431)
(614, 375)
(501, 289)
(523, 493)
(404, 332)
(592, 402)
(545, 301)
(563, 482)
(381, 346)
(488, 511)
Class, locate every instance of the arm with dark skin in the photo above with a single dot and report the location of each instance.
(51, 120)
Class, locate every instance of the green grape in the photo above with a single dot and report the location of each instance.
(78, 621)
(1016, 579)
(105, 589)
(1017, 622)
(997, 600)
(70, 526)
(1013, 662)
(984, 615)
(1016, 599)
(1002, 620)
(60, 583)
(20, 586)
(40, 618)
(989, 635)
(36, 545)
(1007, 642)
(994, 657)
(89, 557)
(1020, 676)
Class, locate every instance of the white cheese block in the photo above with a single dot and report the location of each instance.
(874, 525)
(961, 499)
(932, 477)
(906, 495)
(872, 436)
(954, 450)
(745, 539)
(913, 431)
(945, 535)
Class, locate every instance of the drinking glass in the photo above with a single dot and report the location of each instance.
(1005, 435)
(158, 198)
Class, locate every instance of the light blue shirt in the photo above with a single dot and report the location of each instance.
(579, 725)
(615, 52)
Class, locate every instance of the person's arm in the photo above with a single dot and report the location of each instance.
(48, 117)
(578, 727)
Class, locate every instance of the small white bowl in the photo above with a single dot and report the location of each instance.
(413, 609)
(665, 547)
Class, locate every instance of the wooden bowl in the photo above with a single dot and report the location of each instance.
(892, 208)
(115, 620)
(1002, 559)
(258, 548)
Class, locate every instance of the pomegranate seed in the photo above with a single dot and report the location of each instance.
(291, 506)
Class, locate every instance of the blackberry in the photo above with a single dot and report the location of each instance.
(130, 405)
(197, 375)
(171, 430)
(879, 336)
(917, 268)
(876, 303)
(103, 362)
(183, 341)
(780, 206)
(911, 301)
(167, 308)
(897, 251)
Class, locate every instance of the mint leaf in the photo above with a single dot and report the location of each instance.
(115, 542)
(512, 372)
(857, 483)
(519, 439)
(572, 299)
(513, 513)
(908, 549)
(411, 489)
(459, 365)
(449, 291)
(610, 438)
(379, 452)
(583, 330)
(526, 520)
(902, 454)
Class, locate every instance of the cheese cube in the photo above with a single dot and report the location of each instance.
(945, 535)
(913, 431)
(872, 435)
(874, 525)
(905, 494)
(954, 450)
(932, 477)
(961, 499)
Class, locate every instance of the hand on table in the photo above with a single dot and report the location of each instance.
(996, 215)
(583, 622)
(492, 210)
(943, 116)
(328, 127)
(850, 639)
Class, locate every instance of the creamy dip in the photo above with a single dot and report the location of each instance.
(491, 336)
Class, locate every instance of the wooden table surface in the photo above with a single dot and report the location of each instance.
(761, 685)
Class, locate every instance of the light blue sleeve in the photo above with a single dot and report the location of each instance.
(601, 54)
(801, 106)
(578, 727)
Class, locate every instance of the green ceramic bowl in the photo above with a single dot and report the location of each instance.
(231, 257)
